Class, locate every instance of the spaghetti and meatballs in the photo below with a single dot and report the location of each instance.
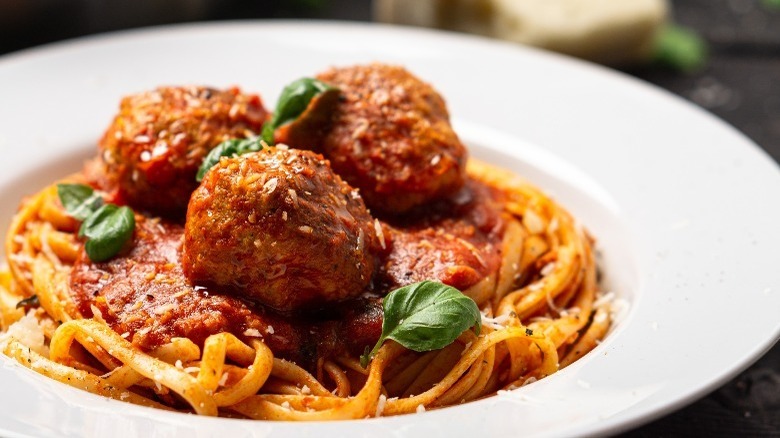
(260, 290)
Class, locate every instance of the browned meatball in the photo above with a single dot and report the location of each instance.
(152, 150)
(145, 294)
(391, 137)
(280, 227)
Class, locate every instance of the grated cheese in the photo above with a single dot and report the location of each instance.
(498, 322)
(163, 309)
(604, 299)
(97, 314)
(380, 405)
(293, 195)
(223, 380)
(379, 233)
(29, 332)
(270, 185)
(533, 222)
(253, 333)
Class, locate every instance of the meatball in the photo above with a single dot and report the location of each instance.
(152, 150)
(390, 136)
(280, 227)
(145, 294)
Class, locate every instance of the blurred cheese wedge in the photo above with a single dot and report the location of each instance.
(611, 32)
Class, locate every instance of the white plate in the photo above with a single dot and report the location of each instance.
(684, 207)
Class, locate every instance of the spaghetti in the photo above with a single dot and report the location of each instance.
(539, 315)
(259, 303)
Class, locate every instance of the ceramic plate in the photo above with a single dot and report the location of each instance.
(684, 209)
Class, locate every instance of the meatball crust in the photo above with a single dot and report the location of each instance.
(280, 227)
(151, 152)
(391, 137)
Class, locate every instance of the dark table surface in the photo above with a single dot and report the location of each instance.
(740, 84)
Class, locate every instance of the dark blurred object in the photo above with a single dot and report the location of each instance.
(740, 83)
(734, 26)
(27, 23)
(741, 80)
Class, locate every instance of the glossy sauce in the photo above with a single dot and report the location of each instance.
(144, 295)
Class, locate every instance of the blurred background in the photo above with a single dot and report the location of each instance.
(723, 55)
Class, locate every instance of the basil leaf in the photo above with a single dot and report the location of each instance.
(106, 226)
(426, 316)
(680, 48)
(80, 201)
(771, 4)
(293, 101)
(268, 133)
(108, 229)
(228, 148)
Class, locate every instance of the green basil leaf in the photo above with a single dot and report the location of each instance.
(771, 4)
(680, 48)
(31, 301)
(293, 101)
(268, 133)
(426, 316)
(229, 148)
(80, 201)
(107, 231)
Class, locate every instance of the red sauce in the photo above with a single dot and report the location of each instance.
(144, 295)
(456, 241)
